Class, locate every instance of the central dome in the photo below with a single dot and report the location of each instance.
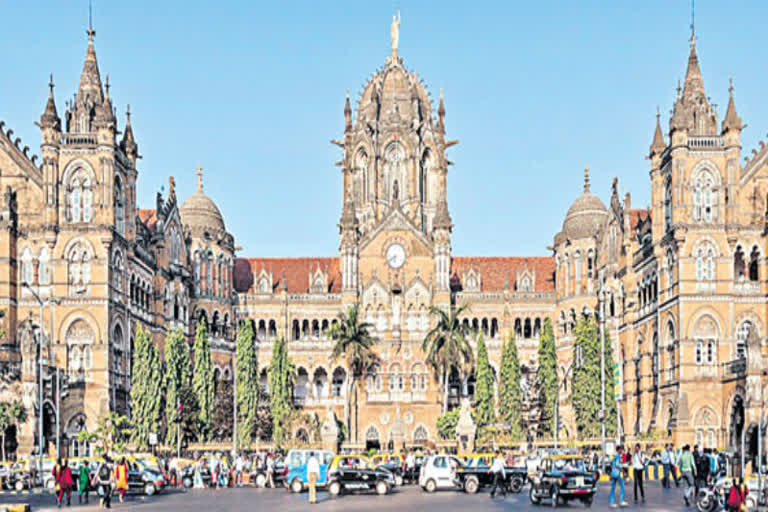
(199, 210)
(586, 215)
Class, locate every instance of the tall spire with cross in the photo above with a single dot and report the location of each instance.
(586, 178)
(199, 178)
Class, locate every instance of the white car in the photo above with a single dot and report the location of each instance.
(439, 472)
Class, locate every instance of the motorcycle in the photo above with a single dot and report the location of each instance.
(713, 496)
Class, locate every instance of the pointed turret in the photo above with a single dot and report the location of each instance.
(347, 115)
(693, 112)
(441, 114)
(128, 144)
(732, 121)
(105, 115)
(348, 217)
(442, 217)
(694, 84)
(657, 145)
(90, 96)
(50, 118)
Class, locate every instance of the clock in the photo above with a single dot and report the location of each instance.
(395, 255)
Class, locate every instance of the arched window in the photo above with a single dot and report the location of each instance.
(339, 378)
(754, 265)
(742, 333)
(119, 200)
(567, 274)
(27, 267)
(79, 268)
(704, 198)
(739, 265)
(420, 435)
(198, 275)
(80, 197)
(395, 173)
(577, 270)
(705, 263)
(44, 270)
(668, 204)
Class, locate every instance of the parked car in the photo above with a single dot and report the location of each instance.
(143, 480)
(296, 468)
(440, 472)
(392, 462)
(563, 478)
(354, 473)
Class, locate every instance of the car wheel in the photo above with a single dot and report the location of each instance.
(149, 489)
(186, 482)
(398, 480)
(431, 486)
(532, 495)
(261, 480)
(516, 485)
(19, 485)
(471, 485)
(334, 489)
(381, 488)
(555, 497)
(588, 502)
(296, 486)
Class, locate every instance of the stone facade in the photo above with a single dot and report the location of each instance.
(682, 282)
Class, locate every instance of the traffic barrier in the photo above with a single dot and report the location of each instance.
(17, 507)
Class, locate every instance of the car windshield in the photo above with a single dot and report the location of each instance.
(570, 464)
(353, 463)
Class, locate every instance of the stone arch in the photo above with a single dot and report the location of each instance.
(420, 434)
(372, 434)
(74, 241)
(80, 314)
(76, 165)
(697, 325)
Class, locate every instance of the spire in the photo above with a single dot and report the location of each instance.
(171, 188)
(658, 144)
(441, 114)
(693, 82)
(347, 114)
(50, 118)
(586, 179)
(732, 120)
(105, 114)
(199, 178)
(442, 218)
(128, 144)
(348, 217)
(90, 78)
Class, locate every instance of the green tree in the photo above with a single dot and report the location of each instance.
(146, 398)
(202, 379)
(11, 414)
(446, 344)
(111, 434)
(247, 385)
(177, 376)
(282, 377)
(586, 379)
(446, 424)
(546, 379)
(354, 343)
(510, 396)
(485, 413)
(223, 412)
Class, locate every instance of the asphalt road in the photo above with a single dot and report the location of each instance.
(404, 498)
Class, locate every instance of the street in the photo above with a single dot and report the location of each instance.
(404, 498)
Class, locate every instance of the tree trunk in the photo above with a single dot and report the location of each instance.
(445, 390)
(348, 409)
(3, 437)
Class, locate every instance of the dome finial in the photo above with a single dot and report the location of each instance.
(586, 178)
(199, 178)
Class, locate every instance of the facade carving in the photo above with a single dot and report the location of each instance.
(682, 283)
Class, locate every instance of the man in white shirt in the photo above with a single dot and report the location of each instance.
(638, 465)
(239, 471)
(270, 472)
(497, 468)
(410, 466)
(313, 474)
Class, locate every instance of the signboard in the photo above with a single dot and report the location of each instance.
(615, 375)
(152, 439)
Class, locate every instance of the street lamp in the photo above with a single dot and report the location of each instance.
(557, 400)
(41, 362)
(602, 295)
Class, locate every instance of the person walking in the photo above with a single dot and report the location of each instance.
(58, 476)
(83, 482)
(410, 466)
(688, 470)
(270, 472)
(665, 465)
(313, 475)
(617, 478)
(736, 496)
(673, 455)
(701, 460)
(638, 465)
(497, 468)
(121, 478)
(67, 482)
(103, 478)
(239, 471)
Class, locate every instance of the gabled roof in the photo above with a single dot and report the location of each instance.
(148, 216)
(296, 270)
(495, 270)
(637, 215)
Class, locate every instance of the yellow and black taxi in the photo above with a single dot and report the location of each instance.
(563, 478)
(392, 462)
(475, 474)
(356, 473)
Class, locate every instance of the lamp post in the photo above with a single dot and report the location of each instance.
(602, 369)
(557, 401)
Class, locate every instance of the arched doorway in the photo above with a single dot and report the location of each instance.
(736, 423)
(750, 445)
(372, 439)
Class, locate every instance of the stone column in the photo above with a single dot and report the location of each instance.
(465, 429)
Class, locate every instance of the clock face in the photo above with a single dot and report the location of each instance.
(395, 255)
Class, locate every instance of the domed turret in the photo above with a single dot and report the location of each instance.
(199, 210)
(586, 215)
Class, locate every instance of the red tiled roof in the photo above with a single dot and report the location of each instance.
(635, 215)
(297, 271)
(494, 270)
(148, 217)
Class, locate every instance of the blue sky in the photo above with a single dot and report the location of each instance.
(255, 90)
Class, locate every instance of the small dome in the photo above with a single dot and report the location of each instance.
(199, 210)
(586, 215)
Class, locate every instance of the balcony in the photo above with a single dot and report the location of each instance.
(705, 143)
(77, 138)
(746, 287)
(397, 396)
(735, 368)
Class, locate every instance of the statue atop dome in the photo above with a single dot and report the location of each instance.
(394, 33)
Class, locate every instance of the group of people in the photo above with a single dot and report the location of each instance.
(103, 480)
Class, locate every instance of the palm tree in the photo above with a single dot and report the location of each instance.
(446, 344)
(353, 342)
